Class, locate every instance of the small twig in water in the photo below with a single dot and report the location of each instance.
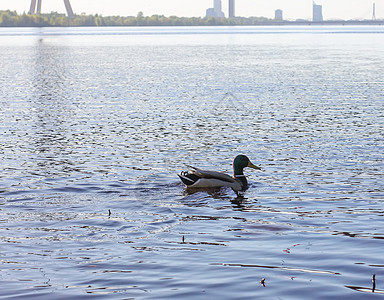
(183, 240)
(109, 212)
(373, 283)
(263, 282)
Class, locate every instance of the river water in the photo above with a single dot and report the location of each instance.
(97, 122)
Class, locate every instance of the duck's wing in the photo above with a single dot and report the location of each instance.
(212, 175)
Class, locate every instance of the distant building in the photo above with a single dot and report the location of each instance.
(317, 13)
(278, 15)
(217, 6)
(211, 12)
(216, 11)
(231, 9)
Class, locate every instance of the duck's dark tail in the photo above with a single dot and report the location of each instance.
(188, 178)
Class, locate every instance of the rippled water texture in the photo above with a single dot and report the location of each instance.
(96, 123)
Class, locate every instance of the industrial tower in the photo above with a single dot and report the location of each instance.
(231, 9)
(33, 9)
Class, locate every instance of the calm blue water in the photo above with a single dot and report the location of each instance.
(97, 122)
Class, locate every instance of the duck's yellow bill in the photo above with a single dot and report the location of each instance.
(251, 165)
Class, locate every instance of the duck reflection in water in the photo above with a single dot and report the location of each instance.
(220, 194)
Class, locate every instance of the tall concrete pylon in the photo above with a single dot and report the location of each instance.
(33, 9)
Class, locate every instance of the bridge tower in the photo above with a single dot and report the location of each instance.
(374, 12)
(33, 9)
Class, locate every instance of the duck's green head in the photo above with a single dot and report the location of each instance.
(240, 162)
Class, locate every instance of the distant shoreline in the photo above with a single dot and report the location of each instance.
(286, 23)
(54, 19)
(338, 22)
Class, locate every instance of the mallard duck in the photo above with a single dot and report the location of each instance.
(197, 178)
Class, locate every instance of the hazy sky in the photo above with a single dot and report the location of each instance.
(292, 9)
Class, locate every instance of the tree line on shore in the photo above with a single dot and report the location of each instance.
(13, 19)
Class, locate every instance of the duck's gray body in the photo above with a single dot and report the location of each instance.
(198, 178)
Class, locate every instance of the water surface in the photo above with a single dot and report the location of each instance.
(97, 122)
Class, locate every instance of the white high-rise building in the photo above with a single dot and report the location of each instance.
(317, 13)
(217, 5)
(216, 11)
(278, 15)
